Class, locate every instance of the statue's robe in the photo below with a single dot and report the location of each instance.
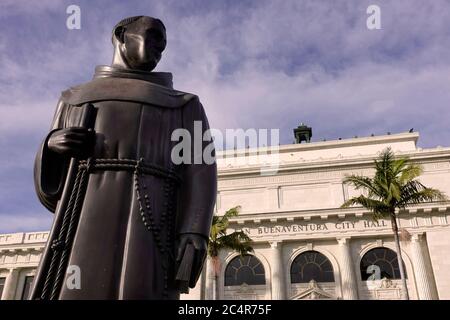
(116, 254)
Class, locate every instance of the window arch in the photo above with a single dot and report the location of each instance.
(245, 269)
(385, 259)
(311, 265)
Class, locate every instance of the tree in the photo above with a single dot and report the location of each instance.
(393, 187)
(219, 239)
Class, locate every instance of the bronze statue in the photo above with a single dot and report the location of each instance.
(126, 216)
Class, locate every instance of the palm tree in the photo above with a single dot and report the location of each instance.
(219, 239)
(394, 186)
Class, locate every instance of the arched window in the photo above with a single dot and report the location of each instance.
(382, 261)
(311, 265)
(245, 269)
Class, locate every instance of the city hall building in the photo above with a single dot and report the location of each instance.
(305, 245)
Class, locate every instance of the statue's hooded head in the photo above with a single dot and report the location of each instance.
(138, 43)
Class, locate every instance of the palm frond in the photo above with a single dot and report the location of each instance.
(215, 228)
(399, 165)
(384, 170)
(394, 194)
(361, 182)
(223, 221)
(219, 239)
(415, 192)
(230, 213)
(238, 241)
(411, 172)
(377, 207)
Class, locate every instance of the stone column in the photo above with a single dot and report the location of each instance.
(423, 272)
(9, 291)
(203, 281)
(210, 288)
(349, 284)
(277, 271)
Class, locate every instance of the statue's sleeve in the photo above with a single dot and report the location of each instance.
(199, 177)
(50, 168)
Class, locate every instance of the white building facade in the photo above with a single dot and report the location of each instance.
(305, 245)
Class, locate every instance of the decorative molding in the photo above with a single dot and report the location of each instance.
(322, 169)
(343, 240)
(313, 292)
(275, 244)
(417, 237)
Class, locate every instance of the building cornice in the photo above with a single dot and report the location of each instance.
(329, 213)
(320, 145)
(418, 155)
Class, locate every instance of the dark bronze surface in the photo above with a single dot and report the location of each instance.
(124, 212)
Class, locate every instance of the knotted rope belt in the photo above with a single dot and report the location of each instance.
(129, 165)
(62, 244)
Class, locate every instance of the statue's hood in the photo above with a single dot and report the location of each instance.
(111, 83)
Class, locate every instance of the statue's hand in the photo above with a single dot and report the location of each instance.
(74, 141)
(200, 245)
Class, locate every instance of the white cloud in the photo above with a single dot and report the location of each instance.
(295, 61)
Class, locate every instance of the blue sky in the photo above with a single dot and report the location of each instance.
(254, 64)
